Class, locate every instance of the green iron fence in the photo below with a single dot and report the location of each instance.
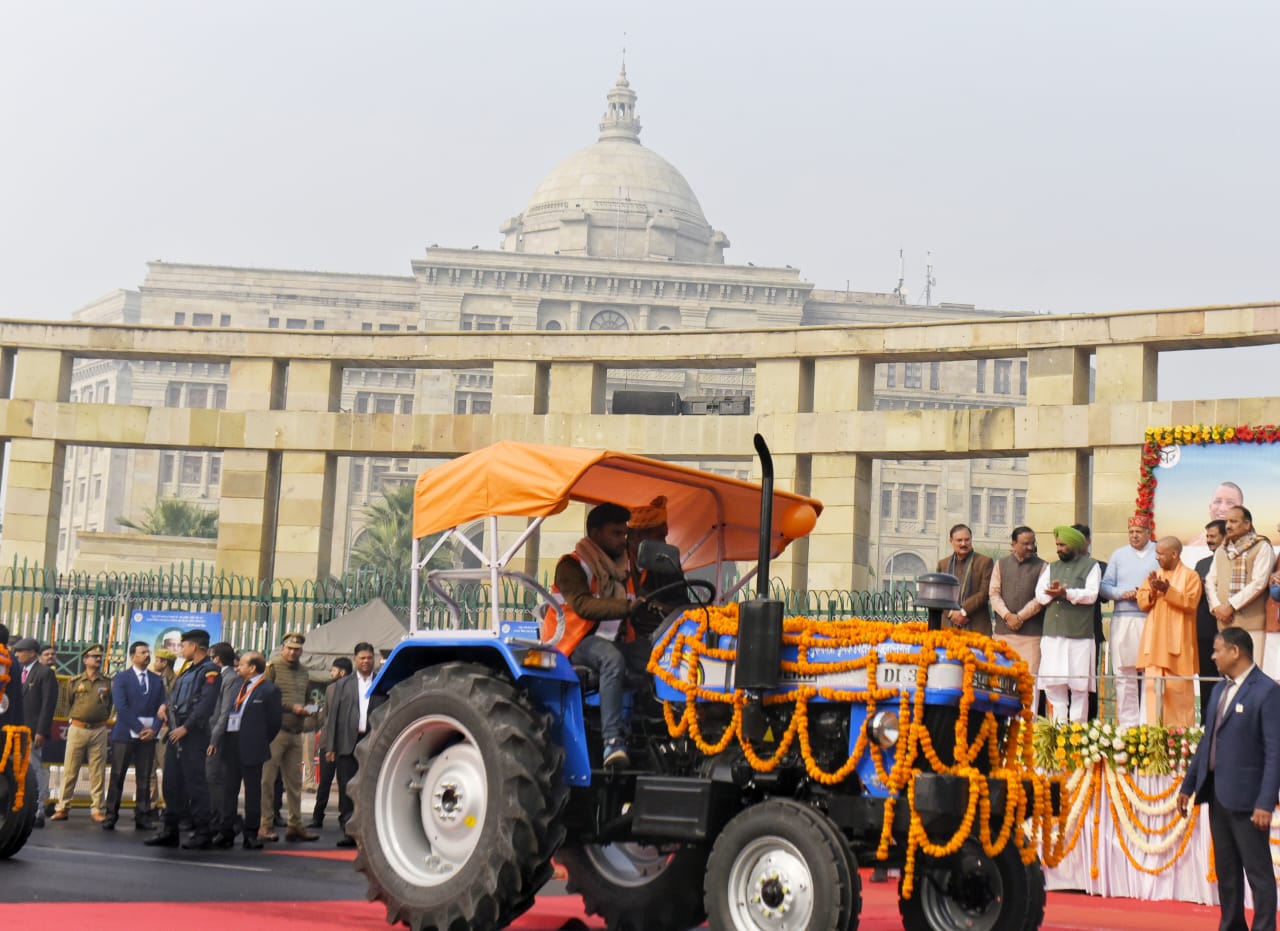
(71, 610)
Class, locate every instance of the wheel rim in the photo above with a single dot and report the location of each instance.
(966, 899)
(432, 794)
(627, 864)
(771, 886)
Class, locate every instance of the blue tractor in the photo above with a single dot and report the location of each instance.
(770, 756)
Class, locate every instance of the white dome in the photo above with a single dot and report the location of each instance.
(616, 199)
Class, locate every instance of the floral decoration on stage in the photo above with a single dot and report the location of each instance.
(1159, 438)
(1145, 750)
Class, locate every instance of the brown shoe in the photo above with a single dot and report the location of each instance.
(60, 815)
(298, 835)
(266, 835)
(98, 817)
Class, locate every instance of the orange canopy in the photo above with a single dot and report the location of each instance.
(530, 480)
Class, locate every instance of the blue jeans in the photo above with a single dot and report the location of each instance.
(610, 661)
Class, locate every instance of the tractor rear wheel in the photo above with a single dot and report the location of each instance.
(635, 887)
(969, 891)
(457, 800)
(15, 826)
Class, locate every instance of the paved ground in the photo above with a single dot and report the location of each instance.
(74, 874)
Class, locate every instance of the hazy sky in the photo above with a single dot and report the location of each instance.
(1065, 157)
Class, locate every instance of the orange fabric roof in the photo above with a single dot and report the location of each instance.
(531, 480)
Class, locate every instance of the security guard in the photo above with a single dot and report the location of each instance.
(88, 700)
(188, 713)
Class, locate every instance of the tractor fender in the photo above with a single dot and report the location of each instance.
(555, 691)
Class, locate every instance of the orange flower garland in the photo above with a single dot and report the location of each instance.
(973, 652)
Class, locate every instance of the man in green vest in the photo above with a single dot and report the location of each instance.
(293, 680)
(1068, 589)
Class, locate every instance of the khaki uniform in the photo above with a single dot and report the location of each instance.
(286, 749)
(89, 707)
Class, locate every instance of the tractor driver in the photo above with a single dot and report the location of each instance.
(592, 584)
(649, 522)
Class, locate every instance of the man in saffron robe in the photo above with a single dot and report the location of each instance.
(1170, 595)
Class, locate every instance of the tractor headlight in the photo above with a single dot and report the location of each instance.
(884, 728)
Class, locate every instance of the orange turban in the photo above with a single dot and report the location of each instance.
(653, 514)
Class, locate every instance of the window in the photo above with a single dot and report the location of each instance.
(173, 395)
(1019, 509)
(317, 324)
(930, 505)
(406, 405)
(891, 375)
(357, 477)
(293, 323)
(220, 396)
(1003, 381)
(460, 404)
(87, 395)
(1022, 378)
(911, 374)
(366, 328)
(384, 405)
(179, 319)
(273, 323)
(935, 376)
(388, 327)
(197, 396)
(224, 320)
(202, 319)
(908, 504)
(191, 468)
(998, 510)
(104, 394)
(982, 375)
(886, 503)
(480, 405)
(81, 486)
(215, 470)
(552, 326)
(97, 489)
(166, 468)
(975, 509)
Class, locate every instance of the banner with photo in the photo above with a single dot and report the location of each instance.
(1194, 474)
(164, 629)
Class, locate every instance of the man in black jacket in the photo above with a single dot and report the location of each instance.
(347, 725)
(1206, 624)
(249, 720)
(39, 699)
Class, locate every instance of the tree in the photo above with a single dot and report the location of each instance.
(386, 543)
(174, 517)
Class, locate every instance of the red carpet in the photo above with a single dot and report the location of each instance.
(318, 854)
(1066, 912)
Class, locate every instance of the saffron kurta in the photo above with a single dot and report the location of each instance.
(1168, 646)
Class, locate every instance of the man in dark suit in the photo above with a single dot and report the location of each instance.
(137, 694)
(249, 722)
(1206, 624)
(347, 725)
(328, 769)
(974, 572)
(1236, 769)
(223, 655)
(39, 699)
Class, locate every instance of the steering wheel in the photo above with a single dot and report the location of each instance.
(677, 613)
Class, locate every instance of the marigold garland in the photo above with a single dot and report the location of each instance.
(1157, 438)
(17, 748)
(1011, 763)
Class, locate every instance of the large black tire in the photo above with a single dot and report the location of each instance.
(1035, 896)
(638, 888)
(969, 892)
(457, 801)
(781, 866)
(16, 826)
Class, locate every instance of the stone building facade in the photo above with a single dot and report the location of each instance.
(613, 240)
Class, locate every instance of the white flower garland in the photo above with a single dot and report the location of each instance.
(1154, 809)
(1168, 842)
(1077, 793)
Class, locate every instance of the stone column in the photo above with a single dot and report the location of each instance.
(1125, 374)
(33, 496)
(575, 388)
(1057, 478)
(304, 514)
(250, 477)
